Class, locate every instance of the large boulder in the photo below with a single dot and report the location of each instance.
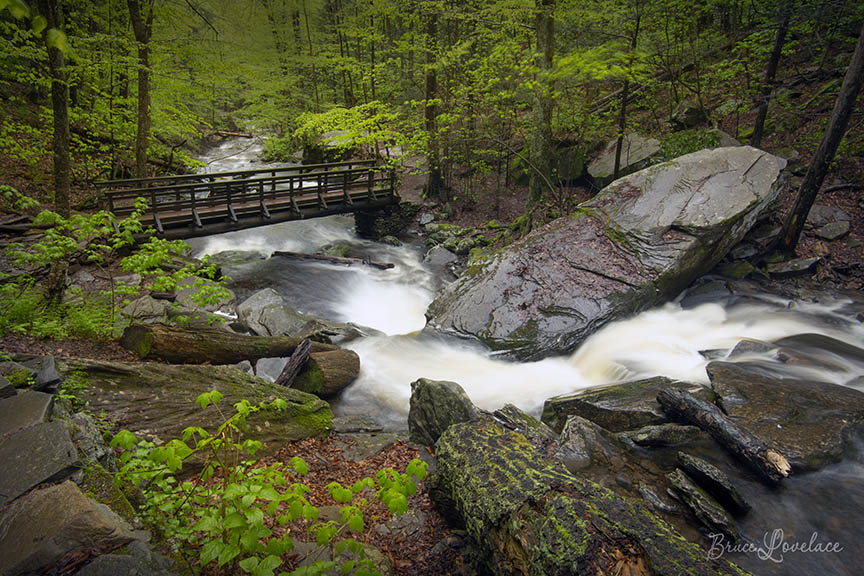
(637, 152)
(810, 423)
(638, 243)
(528, 515)
(158, 400)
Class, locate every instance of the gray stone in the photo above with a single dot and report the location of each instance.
(308, 553)
(83, 276)
(617, 407)
(703, 507)
(7, 390)
(688, 115)
(724, 140)
(820, 215)
(714, 481)
(248, 309)
(583, 444)
(128, 280)
(40, 453)
(637, 152)
(91, 445)
(235, 257)
(751, 348)
(391, 241)
(439, 256)
(147, 310)
(426, 218)
(796, 267)
(664, 435)
(808, 422)
(636, 244)
(435, 406)
(40, 529)
(516, 419)
(744, 251)
(24, 410)
(245, 366)
(656, 502)
(834, 230)
(17, 374)
(354, 424)
(43, 367)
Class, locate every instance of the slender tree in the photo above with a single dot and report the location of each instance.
(771, 72)
(625, 93)
(542, 151)
(141, 15)
(50, 10)
(821, 161)
(434, 184)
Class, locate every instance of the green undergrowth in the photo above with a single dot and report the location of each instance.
(228, 519)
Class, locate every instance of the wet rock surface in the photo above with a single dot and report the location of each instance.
(435, 405)
(714, 481)
(637, 152)
(639, 242)
(808, 422)
(703, 507)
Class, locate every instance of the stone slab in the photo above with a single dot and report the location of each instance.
(40, 453)
(7, 390)
(38, 530)
(24, 410)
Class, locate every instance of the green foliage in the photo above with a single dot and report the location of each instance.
(226, 516)
(12, 200)
(687, 141)
(74, 383)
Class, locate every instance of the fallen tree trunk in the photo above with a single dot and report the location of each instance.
(682, 406)
(295, 364)
(328, 373)
(333, 259)
(228, 134)
(206, 345)
(528, 515)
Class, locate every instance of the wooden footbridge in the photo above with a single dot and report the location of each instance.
(193, 205)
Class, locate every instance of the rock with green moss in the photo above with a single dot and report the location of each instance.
(638, 243)
(435, 406)
(158, 400)
(527, 515)
(17, 374)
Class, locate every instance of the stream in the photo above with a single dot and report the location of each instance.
(668, 341)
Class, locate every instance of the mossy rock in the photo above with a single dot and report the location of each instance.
(99, 484)
(527, 515)
(158, 400)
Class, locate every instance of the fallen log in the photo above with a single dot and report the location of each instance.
(295, 364)
(333, 259)
(328, 373)
(682, 406)
(203, 345)
(527, 514)
(228, 134)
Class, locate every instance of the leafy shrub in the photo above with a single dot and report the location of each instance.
(687, 141)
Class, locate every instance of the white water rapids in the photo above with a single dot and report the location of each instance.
(663, 341)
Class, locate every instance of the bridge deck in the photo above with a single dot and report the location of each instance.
(201, 204)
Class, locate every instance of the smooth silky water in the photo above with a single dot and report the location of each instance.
(668, 341)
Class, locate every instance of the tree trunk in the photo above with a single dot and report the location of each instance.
(821, 161)
(684, 407)
(434, 184)
(541, 145)
(625, 93)
(141, 15)
(770, 73)
(202, 345)
(60, 106)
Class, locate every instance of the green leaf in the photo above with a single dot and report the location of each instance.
(210, 551)
(249, 564)
(228, 554)
(203, 400)
(234, 520)
(417, 469)
(299, 465)
(55, 38)
(39, 24)
(355, 522)
(206, 524)
(124, 439)
(18, 8)
(268, 565)
(216, 396)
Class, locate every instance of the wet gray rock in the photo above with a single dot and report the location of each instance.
(235, 257)
(91, 445)
(703, 507)
(617, 407)
(583, 444)
(17, 374)
(146, 310)
(44, 371)
(664, 435)
(435, 406)
(636, 244)
(751, 347)
(821, 215)
(426, 218)
(656, 502)
(24, 410)
(714, 481)
(516, 419)
(796, 267)
(136, 559)
(637, 152)
(834, 230)
(808, 422)
(40, 453)
(40, 529)
(7, 390)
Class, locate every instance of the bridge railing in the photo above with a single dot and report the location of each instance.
(232, 195)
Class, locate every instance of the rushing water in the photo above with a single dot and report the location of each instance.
(675, 340)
